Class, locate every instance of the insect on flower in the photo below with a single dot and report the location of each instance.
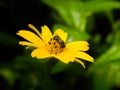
(49, 44)
(59, 40)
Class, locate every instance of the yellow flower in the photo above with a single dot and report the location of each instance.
(53, 45)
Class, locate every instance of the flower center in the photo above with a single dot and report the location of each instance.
(56, 45)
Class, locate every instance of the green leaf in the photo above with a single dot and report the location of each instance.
(69, 12)
(74, 13)
(97, 6)
(102, 0)
(26, 62)
(8, 74)
(106, 67)
(113, 52)
(7, 39)
(60, 66)
(108, 74)
(73, 34)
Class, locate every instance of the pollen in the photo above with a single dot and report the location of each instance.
(55, 46)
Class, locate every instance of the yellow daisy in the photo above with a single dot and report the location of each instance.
(48, 45)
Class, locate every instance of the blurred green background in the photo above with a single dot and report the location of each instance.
(96, 21)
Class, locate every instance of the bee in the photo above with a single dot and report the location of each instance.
(59, 40)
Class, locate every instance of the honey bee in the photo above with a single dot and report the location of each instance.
(59, 40)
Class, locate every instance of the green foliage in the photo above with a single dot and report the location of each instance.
(106, 67)
(74, 34)
(8, 74)
(60, 66)
(7, 39)
(82, 20)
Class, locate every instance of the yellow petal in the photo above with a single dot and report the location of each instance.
(28, 44)
(40, 53)
(84, 56)
(65, 57)
(78, 45)
(78, 61)
(46, 33)
(30, 36)
(33, 28)
(62, 34)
